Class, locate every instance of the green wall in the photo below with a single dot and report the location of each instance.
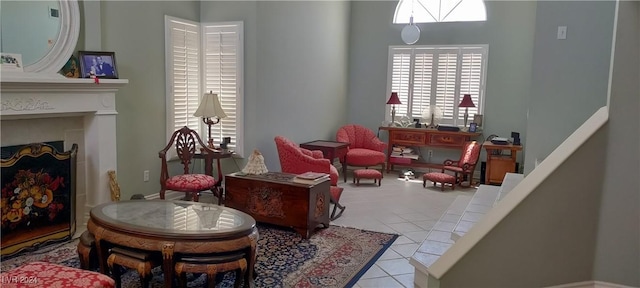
(570, 77)
(509, 32)
(135, 31)
(295, 75)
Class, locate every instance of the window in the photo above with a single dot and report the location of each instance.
(426, 11)
(426, 76)
(204, 57)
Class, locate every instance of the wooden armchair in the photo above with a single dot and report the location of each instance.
(466, 164)
(184, 141)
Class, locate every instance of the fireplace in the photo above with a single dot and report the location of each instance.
(38, 185)
(40, 108)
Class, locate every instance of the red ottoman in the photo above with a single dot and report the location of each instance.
(367, 174)
(437, 177)
(43, 274)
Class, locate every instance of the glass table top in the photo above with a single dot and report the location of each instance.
(163, 217)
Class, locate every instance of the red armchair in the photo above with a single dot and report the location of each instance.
(296, 160)
(365, 149)
(466, 164)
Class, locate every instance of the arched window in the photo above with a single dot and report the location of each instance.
(427, 11)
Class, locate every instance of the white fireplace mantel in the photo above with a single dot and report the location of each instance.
(37, 95)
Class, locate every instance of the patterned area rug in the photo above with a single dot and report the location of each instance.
(332, 257)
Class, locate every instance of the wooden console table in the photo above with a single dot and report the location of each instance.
(423, 137)
(499, 165)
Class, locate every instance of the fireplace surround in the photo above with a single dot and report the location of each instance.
(38, 107)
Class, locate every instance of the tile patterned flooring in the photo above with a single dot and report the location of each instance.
(400, 207)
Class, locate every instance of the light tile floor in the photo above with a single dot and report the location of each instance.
(400, 207)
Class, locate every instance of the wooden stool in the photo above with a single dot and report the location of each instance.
(438, 177)
(367, 174)
(211, 265)
(335, 193)
(87, 251)
(141, 261)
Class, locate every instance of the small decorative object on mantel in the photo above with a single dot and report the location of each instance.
(255, 165)
(434, 115)
(11, 62)
(72, 68)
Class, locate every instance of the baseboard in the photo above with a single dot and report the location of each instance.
(590, 284)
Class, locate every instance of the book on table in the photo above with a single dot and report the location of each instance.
(310, 177)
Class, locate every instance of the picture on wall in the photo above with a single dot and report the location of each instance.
(98, 64)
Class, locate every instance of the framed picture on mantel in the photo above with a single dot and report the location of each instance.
(98, 64)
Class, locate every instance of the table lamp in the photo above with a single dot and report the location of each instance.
(393, 100)
(210, 108)
(466, 103)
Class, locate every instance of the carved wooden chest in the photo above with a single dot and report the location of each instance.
(275, 199)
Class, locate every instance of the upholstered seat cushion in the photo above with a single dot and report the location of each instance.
(190, 182)
(43, 274)
(367, 174)
(439, 177)
(365, 157)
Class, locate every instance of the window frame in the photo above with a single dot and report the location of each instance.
(202, 128)
(478, 101)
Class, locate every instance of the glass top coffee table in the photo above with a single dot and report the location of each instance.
(170, 227)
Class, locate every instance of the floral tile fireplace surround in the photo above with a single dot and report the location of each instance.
(41, 108)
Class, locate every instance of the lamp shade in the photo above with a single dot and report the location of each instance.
(210, 107)
(466, 101)
(394, 98)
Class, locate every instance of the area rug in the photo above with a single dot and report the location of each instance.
(332, 257)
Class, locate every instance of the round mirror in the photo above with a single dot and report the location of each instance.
(45, 33)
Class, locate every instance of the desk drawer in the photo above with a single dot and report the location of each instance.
(408, 137)
(447, 140)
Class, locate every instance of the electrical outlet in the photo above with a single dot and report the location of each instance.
(146, 176)
(430, 153)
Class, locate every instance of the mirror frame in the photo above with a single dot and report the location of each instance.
(66, 42)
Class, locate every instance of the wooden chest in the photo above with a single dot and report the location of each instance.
(275, 199)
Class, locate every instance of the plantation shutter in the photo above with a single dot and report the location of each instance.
(425, 76)
(401, 70)
(446, 83)
(183, 70)
(471, 80)
(422, 83)
(222, 60)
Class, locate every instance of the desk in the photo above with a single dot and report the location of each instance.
(499, 165)
(173, 227)
(423, 137)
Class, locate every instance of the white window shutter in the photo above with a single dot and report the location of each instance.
(223, 52)
(425, 76)
(446, 84)
(400, 81)
(183, 74)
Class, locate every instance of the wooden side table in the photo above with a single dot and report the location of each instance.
(330, 149)
(499, 165)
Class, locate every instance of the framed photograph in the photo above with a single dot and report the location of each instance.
(473, 127)
(477, 118)
(97, 64)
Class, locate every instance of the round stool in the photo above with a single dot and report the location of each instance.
(367, 174)
(438, 177)
(211, 265)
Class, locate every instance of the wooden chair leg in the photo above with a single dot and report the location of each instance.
(162, 194)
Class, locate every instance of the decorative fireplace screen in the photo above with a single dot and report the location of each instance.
(38, 197)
